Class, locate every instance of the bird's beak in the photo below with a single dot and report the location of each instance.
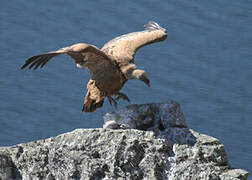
(145, 79)
(148, 84)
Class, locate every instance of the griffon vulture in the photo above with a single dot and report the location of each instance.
(111, 66)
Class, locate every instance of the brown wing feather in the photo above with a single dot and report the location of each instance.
(39, 59)
(123, 48)
(87, 55)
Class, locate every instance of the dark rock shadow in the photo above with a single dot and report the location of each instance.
(8, 170)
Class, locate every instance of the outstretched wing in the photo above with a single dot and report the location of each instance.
(123, 48)
(84, 55)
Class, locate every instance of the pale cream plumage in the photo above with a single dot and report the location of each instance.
(110, 67)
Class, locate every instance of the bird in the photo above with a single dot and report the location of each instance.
(111, 66)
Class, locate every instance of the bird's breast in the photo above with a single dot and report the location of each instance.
(111, 83)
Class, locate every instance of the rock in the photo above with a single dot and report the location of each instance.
(166, 120)
(150, 141)
(147, 116)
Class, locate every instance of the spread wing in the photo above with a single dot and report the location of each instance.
(123, 48)
(84, 55)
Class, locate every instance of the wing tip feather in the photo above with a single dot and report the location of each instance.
(152, 25)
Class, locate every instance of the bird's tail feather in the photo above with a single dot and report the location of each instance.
(91, 105)
(94, 98)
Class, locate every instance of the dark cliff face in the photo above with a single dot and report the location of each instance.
(164, 148)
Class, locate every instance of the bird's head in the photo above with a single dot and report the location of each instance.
(142, 76)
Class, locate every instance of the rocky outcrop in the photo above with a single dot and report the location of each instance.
(150, 141)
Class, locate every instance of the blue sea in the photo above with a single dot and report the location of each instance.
(205, 64)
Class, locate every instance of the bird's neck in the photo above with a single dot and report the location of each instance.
(128, 69)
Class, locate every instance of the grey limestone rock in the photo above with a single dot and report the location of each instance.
(149, 141)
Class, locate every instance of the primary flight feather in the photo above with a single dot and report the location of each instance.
(111, 66)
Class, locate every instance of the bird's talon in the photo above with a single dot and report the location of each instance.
(122, 96)
(112, 101)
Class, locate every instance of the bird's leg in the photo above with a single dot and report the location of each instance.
(122, 96)
(112, 101)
